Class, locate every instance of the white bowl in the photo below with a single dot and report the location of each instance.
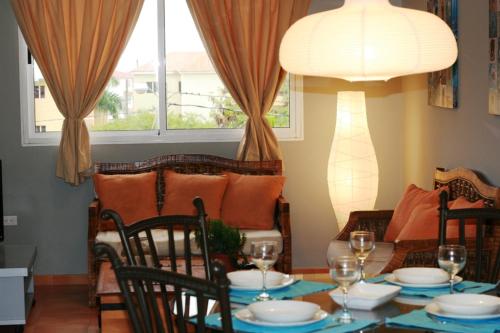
(468, 304)
(366, 296)
(421, 275)
(253, 278)
(283, 311)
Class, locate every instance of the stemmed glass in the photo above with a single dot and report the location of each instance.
(452, 259)
(264, 255)
(362, 243)
(345, 271)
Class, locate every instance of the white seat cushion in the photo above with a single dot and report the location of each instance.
(160, 238)
(375, 262)
(260, 235)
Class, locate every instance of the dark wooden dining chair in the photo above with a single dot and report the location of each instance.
(484, 249)
(177, 231)
(155, 298)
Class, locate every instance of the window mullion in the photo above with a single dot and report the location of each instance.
(162, 85)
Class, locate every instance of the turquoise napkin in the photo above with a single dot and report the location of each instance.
(213, 321)
(465, 286)
(470, 287)
(420, 319)
(297, 289)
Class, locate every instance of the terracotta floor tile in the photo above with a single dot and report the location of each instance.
(60, 309)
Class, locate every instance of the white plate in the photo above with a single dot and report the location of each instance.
(434, 309)
(366, 296)
(468, 304)
(421, 275)
(284, 281)
(392, 279)
(246, 316)
(253, 278)
(283, 311)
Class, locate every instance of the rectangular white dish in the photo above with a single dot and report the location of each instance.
(366, 296)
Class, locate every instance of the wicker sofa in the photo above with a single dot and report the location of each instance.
(188, 164)
(460, 182)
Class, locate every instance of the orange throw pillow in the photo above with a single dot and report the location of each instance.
(412, 197)
(131, 196)
(181, 189)
(452, 225)
(250, 201)
(423, 223)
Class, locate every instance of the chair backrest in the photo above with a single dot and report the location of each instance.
(141, 247)
(469, 184)
(485, 247)
(152, 309)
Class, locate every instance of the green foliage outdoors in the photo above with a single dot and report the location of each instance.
(187, 121)
(228, 114)
(143, 120)
(224, 239)
(109, 101)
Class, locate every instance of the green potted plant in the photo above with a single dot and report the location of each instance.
(225, 243)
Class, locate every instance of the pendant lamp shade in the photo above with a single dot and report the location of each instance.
(368, 40)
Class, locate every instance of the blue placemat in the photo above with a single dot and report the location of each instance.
(297, 289)
(470, 287)
(420, 319)
(327, 325)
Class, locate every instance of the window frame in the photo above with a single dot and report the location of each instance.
(29, 137)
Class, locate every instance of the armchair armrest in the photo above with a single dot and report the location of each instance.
(282, 220)
(413, 253)
(93, 212)
(371, 220)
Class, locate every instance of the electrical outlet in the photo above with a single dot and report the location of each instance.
(9, 220)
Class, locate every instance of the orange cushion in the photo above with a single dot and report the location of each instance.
(412, 197)
(181, 189)
(423, 222)
(249, 201)
(131, 196)
(452, 225)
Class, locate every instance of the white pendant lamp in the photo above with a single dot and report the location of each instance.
(364, 40)
(368, 40)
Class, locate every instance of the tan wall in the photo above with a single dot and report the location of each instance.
(466, 136)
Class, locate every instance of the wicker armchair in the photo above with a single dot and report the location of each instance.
(460, 182)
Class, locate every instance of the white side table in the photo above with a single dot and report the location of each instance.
(16, 283)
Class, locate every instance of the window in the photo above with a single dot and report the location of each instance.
(179, 99)
(39, 91)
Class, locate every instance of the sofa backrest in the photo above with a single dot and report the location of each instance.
(188, 164)
(469, 184)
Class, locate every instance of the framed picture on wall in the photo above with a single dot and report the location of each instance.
(443, 85)
(493, 86)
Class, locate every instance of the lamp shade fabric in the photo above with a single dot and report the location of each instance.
(352, 166)
(367, 40)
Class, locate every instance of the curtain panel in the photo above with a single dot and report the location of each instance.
(77, 45)
(242, 38)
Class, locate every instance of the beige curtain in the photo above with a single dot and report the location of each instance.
(243, 38)
(77, 45)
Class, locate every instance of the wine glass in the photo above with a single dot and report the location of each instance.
(264, 255)
(345, 271)
(362, 243)
(452, 259)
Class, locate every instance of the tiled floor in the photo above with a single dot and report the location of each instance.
(60, 309)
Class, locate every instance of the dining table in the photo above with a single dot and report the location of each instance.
(115, 318)
(379, 317)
